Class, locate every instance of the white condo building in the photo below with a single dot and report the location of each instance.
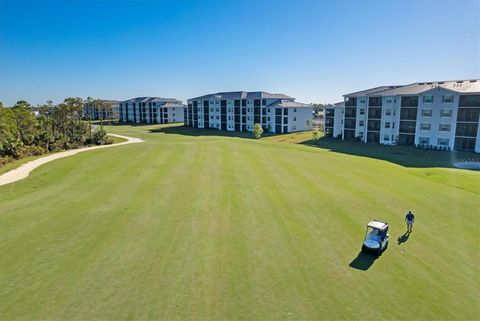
(240, 110)
(93, 113)
(443, 114)
(151, 110)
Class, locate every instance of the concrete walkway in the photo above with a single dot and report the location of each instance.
(24, 170)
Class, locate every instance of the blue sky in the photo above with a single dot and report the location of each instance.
(312, 50)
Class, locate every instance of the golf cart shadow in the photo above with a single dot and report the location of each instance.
(363, 261)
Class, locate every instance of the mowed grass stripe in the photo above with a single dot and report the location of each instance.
(220, 228)
(89, 228)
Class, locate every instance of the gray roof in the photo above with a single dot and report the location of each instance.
(172, 105)
(370, 91)
(289, 104)
(336, 105)
(243, 95)
(460, 86)
(153, 99)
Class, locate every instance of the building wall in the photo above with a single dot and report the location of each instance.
(89, 110)
(435, 123)
(137, 112)
(390, 120)
(436, 119)
(242, 114)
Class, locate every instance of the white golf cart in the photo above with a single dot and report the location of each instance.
(376, 237)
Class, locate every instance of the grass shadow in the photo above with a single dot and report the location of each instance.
(190, 131)
(363, 261)
(403, 238)
(407, 156)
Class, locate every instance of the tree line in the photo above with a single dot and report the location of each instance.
(26, 130)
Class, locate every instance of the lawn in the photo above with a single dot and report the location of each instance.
(190, 225)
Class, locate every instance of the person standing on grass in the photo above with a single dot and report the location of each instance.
(409, 219)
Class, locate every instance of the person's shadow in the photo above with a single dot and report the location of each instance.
(363, 261)
(403, 238)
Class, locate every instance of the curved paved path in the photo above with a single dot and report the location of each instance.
(24, 170)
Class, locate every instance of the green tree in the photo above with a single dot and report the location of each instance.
(25, 122)
(257, 130)
(316, 136)
(22, 103)
(308, 122)
(104, 110)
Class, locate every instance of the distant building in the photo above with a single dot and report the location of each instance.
(240, 110)
(442, 114)
(93, 113)
(151, 110)
(334, 119)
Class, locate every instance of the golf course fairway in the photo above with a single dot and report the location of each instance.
(192, 225)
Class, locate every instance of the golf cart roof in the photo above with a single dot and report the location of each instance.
(378, 225)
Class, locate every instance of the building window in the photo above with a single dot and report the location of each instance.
(268, 109)
(264, 102)
(361, 123)
(424, 140)
(294, 110)
(428, 99)
(443, 141)
(387, 124)
(386, 137)
(425, 126)
(388, 112)
(446, 113)
(362, 111)
(447, 99)
(444, 127)
(389, 100)
(294, 127)
(294, 118)
(426, 113)
(362, 101)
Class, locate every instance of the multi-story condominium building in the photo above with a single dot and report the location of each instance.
(93, 112)
(440, 114)
(240, 110)
(151, 110)
(334, 119)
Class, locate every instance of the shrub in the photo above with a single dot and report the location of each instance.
(99, 137)
(257, 130)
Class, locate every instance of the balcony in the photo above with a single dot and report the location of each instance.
(351, 112)
(469, 101)
(375, 113)
(375, 101)
(409, 101)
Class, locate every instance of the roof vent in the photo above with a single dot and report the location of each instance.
(441, 82)
(421, 83)
(460, 81)
(473, 80)
(429, 83)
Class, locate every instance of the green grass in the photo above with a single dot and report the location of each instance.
(116, 140)
(194, 226)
